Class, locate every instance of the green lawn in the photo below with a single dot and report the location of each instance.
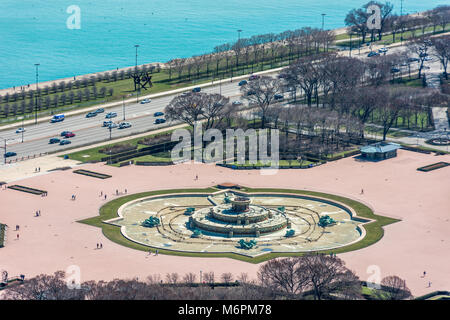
(108, 211)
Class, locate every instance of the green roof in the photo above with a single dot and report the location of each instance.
(380, 147)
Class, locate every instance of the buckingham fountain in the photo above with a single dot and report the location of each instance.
(238, 217)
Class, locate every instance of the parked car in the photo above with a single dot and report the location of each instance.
(20, 130)
(63, 142)
(10, 154)
(372, 54)
(101, 110)
(242, 83)
(251, 93)
(146, 101)
(54, 140)
(158, 114)
(91, 114)
(413, 60)
(158, 121)
(428, 59)
(64, 133)
(278, 97)
(395, 70)
(383, 50)
(237, 103)
(111, 115)
(69, 135)
(112, 125)
(197, 89)
(253, 77)
(124, 125)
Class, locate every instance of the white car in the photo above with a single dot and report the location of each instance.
(20, 130)
(237, 103)
(124, 125)
(146, 101)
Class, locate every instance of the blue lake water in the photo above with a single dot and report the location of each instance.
(35, 31)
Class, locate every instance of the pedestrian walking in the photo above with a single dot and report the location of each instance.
(105, 196)
(125, 191)
(362, 191)
(101, 193)
(97, 245)
(17, 236)
(117, 192)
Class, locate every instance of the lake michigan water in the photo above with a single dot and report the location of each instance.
(35, 31)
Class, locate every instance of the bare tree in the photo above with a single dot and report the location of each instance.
(226, 277)
(419, 48)
(393, 288)
(190, 278)
(442, 51)
(261, 93)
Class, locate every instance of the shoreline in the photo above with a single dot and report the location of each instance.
(32, 86)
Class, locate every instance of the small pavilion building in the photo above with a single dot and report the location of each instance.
(380, 151)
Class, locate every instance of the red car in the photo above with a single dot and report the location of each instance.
(69, 135)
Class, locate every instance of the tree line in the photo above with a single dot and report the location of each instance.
(317, 276)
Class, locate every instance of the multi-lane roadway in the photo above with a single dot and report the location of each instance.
(90, 130)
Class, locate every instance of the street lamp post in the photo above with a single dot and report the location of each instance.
(123, 107)
(351, 34)
(4, 154)
(323, 20)
(135, 69)
(23, 129)
(37, 91)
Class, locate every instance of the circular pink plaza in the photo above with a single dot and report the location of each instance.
(393, 188)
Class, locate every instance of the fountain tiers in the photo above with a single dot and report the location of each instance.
(225, 220)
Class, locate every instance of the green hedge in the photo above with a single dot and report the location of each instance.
(2, 235)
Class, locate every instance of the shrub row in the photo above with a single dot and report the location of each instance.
(118, 148)
(92, 174)
(433, 166)
(27, 189)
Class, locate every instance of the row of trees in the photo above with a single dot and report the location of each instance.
(313, 275)
(252, 53)
(54, 101)
(63, 86)
(392, 23)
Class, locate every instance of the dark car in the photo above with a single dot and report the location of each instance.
(278, 97)
(197, 89)
(64, 133)
(395, 70)
(69, 135)
(10, 154)
(251, 93)
(91, 114)
(101, 110)
(253, 77)
(373, 54)
(54, 140)
(63, 142)
(158, 121)
(413, 60)
(243, 83)
(158, 114)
